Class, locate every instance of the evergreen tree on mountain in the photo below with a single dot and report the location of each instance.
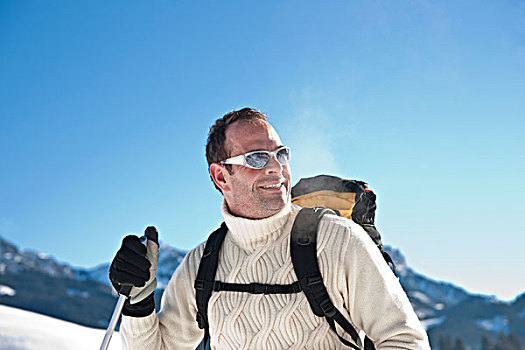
(515, 342)
(486, 344)
(510, 342)
(459, 344)
(502, 343)
(445, 342)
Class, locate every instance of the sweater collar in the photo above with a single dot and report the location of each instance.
(251, 233)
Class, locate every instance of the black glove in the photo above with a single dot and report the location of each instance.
(136, 265)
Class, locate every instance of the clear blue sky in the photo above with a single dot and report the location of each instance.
(105, 108)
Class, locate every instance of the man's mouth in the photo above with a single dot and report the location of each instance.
(273, 185)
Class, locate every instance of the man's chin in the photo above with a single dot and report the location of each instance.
(276, 204)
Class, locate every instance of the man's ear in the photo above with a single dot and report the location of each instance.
(219, 175)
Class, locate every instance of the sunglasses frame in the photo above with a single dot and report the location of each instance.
(241, 159)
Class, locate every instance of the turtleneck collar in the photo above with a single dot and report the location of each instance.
(251, 233)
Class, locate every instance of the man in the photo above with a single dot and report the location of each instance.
(259, 215)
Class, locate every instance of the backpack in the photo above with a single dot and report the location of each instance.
(349, 198)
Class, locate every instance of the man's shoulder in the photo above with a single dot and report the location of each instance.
(334, 224)
(196, 253)
(338, 220)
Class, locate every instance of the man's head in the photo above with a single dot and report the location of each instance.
(251, 193)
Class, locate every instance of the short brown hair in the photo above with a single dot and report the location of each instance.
(215, 146)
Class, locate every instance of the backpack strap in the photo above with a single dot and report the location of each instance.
(206, 276)
(257, 288)
(303, 251)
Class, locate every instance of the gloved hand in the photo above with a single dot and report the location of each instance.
(136, 265)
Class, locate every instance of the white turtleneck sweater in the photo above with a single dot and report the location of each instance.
(358, 280)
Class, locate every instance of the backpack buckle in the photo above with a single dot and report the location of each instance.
(296, 287)
(199, 284)
(314, 279)
(328, 308)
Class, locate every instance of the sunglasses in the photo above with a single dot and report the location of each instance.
(260, 159)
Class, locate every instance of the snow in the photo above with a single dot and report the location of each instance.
(421, 297)
(77, 293)
(432, 322)
(5, 290)
(495, 324)
(25, 330)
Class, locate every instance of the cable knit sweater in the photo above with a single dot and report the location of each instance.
(358, 280)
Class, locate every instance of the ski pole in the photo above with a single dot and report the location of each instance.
(124, 292)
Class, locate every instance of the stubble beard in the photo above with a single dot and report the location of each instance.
(270, 205)
(252, 203)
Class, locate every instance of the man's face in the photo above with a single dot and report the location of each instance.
(251, 193)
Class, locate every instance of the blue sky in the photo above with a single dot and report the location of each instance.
(106, 107)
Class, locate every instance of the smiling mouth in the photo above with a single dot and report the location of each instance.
(273, 186)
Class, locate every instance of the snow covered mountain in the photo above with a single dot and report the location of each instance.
(169, 259)
(34, 281)
(446, 309)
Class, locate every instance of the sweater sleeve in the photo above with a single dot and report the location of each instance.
(375, 300)
(175, 326)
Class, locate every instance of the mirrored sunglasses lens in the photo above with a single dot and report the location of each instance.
(258, 160)
(283, 156)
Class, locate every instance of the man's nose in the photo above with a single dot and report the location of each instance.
(273, 166)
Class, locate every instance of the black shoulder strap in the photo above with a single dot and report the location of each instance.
(303, 251)
(206, 277)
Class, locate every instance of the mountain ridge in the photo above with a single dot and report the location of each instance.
(36, 281)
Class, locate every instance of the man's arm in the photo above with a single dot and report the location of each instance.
(372, 294)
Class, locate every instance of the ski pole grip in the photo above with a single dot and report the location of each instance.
(125, 290)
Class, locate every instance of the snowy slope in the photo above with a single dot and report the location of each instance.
(24, 330)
